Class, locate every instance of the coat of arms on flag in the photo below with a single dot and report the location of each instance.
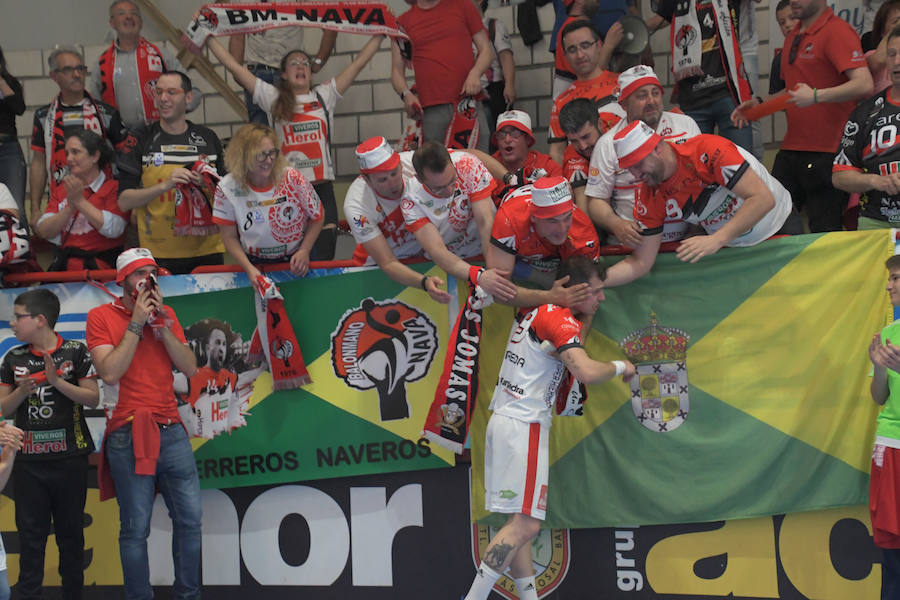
(659, 393)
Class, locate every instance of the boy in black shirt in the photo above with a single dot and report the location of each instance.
(45, 383)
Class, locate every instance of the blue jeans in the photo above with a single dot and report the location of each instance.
(254, 113)
(718, 113)
(177, 480)
(13, 173)
(4, 585)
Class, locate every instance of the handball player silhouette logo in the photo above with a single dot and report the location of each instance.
(384, 345)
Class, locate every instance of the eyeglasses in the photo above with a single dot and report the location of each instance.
(795, 49)
(167, 91)
(264, 156)
(16, 316)
(583, 46)
(442, 191)
(298, 63)
(69, 70)
(510, 132)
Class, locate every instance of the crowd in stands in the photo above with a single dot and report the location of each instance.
(125, 167)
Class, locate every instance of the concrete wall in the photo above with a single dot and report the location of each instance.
(369, 108)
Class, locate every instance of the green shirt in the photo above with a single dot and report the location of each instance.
(889, 418)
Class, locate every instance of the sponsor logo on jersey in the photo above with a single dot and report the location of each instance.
(44, 442)
(383, 345)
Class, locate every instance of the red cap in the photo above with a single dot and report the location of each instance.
(375, 154)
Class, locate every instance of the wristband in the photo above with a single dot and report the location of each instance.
(403, 95)
(136, 329)
(424, 282)
(815, 96)
(620, 367)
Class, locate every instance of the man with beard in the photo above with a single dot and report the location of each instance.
(610, 190)
(707, 181)
(582, 127)
(135, 343)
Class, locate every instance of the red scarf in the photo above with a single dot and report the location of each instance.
(462, 133)
(451, 410)
(275, 340)
(193, 215)
(150, 65)
(55, 136)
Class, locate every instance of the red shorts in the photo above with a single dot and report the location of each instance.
(884, 496)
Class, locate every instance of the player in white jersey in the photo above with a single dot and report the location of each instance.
(610, 189)
(543, 343)
(372, 209)
(448, 208)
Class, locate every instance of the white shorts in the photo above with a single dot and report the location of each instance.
(516, 467)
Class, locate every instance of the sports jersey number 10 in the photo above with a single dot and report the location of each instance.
(883, 138)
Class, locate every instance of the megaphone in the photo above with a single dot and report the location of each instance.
(636, 35)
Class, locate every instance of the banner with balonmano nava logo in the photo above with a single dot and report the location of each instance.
(752, 394)
(370, 346)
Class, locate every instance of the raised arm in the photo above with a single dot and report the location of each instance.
(244, 77)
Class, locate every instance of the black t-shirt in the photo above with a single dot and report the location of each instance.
(871, 143)
(54, 425)
(10, 106)
(697, 92)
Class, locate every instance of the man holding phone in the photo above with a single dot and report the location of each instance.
(136, 342)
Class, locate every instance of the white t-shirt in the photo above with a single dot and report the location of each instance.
(452, 215)
(607, 180)
(304, 139)
(369, 215)
(271, 223)
(529, 377)
(7, 202)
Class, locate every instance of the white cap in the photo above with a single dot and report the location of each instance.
(131, 260)
(635, 142)
(518, 119)
(551, 197)
(634, 78)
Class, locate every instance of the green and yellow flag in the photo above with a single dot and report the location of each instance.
(752, 397)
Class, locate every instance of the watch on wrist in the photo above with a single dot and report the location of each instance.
(403, 95)
(318, 61)
(136, 329)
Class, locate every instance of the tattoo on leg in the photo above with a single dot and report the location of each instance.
(496, 556)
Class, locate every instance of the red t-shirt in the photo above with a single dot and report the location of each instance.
(534, 160)
(575, 167)
(601, 89)
(148, 381)
(78, 231)
(442, 56)
(828, 48)
(513, 232)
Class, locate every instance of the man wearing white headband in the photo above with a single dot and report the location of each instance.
(707, 181)
(372, 209)
(135, 343)
(610, 189)
(535, 228)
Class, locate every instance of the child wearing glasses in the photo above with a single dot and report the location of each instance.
(46, 383)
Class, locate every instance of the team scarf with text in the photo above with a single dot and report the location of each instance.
(370, 18)
(687, 45)
(55, 136)
(275, 340)
(450, 415)
(150, 65)
(193, 214)
(463, 131)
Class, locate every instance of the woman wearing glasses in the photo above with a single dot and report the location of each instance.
(302, 115)
(267, 211)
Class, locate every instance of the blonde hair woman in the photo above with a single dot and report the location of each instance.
(267, 211)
